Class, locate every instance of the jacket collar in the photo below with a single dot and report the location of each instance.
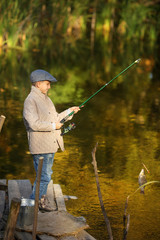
(38, 92)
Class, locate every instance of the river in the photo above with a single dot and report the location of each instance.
(123, 118)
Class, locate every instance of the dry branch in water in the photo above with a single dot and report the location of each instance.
(127, 227)
(2, 119)
(99, 193)
(125, 211)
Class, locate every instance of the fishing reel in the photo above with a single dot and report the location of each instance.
(70, 127)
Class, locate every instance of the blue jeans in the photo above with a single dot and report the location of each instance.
(45, 175)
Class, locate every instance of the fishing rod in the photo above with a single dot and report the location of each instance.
(72, 125)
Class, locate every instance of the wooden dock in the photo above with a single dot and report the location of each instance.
(56, 225)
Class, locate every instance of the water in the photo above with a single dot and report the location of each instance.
(123, 119)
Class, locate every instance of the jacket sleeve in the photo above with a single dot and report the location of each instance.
(64, 114)
(32, 120)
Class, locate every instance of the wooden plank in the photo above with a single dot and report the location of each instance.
(83, 235)
(18, 189)
(46, 237)
(59, 197)
(13, 190)
(69, 238)
(1, 235)
(25, 188)
(51, 195)
(57, 224)
(23, 235)
(3, 187)
(2, 198)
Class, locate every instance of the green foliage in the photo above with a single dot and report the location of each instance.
(68, 92)
(31, 24)
(140, 21)
(134, 15)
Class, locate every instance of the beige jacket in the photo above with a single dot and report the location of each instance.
(39, 114)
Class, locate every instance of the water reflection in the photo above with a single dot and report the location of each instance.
(123, 119)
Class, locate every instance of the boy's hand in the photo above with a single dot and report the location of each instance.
(59, 125)
(75, 109)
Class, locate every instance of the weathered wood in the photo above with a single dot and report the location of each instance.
(18, 189)
(12, 219)
(2, 119)
(25, 188)
(2, 199)
(51, 198)
(57, 224)
(37, 197)
(13, 190)
(83, 235)
(46, 237)
(59, 197)
(62, 225)
(51, 195)
(69, 238)
(1, 235)
(3, 187)
(23, 235)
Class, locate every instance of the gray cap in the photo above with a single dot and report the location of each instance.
(41, 75)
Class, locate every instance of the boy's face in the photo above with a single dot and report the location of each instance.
(44, 86)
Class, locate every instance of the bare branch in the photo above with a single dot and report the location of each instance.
(127, 228)
(2, 119)
(125, 212)
(99, 193)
